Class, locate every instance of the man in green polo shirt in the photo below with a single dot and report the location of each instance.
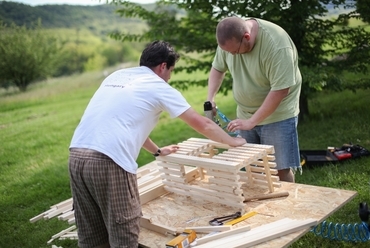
(263, 62)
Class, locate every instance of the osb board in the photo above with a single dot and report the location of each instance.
(304, 201)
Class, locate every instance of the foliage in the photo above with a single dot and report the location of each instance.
(99, 19)
(318, 36)
(83, 32)
(26, 54)
(363, 8)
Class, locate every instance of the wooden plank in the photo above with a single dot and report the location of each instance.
(261, 163)
(216, 173)
(61, 233)
(268, 175)
(208, 229)
(225, 182)
(72, 221)
(162, 229)
(272, 233)
(67, 215)
(150, 186)
(142, 173)
(153, 193)
(58, 211)
(227, 189)
(67, 202)
(208, 197)
(192, 174)
(172, 166)
(173, 178)
(172, 172)
(224, 146)
(260, 234)
(233, 158)
(210, 142)
(216, 236)
(41, 216)
(255, 154)
(197, 161)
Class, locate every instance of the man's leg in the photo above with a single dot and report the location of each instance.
(283, 136)
(89, 220)
(286, 175)
(122, 207)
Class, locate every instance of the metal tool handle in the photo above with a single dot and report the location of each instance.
(219, 220)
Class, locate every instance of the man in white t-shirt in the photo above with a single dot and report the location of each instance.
(105, 145)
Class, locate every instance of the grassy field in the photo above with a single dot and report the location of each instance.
(36, 128)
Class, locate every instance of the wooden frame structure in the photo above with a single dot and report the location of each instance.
(221, 174)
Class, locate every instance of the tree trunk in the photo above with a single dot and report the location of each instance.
(303, 107)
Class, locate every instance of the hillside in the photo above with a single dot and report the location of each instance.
(100, 19)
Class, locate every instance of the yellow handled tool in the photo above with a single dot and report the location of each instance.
(243, 217)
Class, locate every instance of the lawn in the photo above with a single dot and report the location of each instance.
(36, 128)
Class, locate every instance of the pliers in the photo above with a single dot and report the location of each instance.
(219, 221)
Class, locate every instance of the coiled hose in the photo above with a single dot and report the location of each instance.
(343, 232)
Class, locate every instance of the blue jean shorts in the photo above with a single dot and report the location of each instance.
(283, 136)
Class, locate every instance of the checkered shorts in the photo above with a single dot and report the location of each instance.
(105, 200)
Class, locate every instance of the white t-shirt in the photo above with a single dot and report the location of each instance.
(123, 112)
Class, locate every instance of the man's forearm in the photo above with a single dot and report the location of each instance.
(150, 146)
(269, 105)
(214, 83)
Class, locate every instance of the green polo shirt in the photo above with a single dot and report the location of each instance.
(271, 65)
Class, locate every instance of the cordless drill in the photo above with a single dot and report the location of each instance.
(208, 110)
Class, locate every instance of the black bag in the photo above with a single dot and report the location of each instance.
(332, 154)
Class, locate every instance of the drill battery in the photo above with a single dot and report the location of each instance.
(183, 240)
(340, 155)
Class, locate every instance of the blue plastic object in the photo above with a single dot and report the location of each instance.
(343, 232)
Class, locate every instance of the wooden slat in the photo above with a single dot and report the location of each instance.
(223, 234)
(173, 178)
(172, 172)
(260, 234)
(208, 229)
(153, 193)
(162, 229)
(197, 161)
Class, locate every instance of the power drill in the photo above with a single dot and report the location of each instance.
(208, 110)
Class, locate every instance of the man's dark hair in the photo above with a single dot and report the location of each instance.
(158, 52)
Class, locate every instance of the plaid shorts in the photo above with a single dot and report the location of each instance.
(105, 199)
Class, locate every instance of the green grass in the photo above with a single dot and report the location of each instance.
(36, 128)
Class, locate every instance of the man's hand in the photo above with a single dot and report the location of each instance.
(168, 149)
(239, 124)
(239, 141)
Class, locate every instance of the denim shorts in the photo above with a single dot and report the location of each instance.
(283, 136)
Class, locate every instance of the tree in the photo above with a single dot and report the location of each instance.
(26, 54)
(363, 8)
(326, 44)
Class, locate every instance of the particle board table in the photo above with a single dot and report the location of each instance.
(180, 211)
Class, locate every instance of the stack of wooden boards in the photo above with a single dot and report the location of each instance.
(199, 169)
(221, 174)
